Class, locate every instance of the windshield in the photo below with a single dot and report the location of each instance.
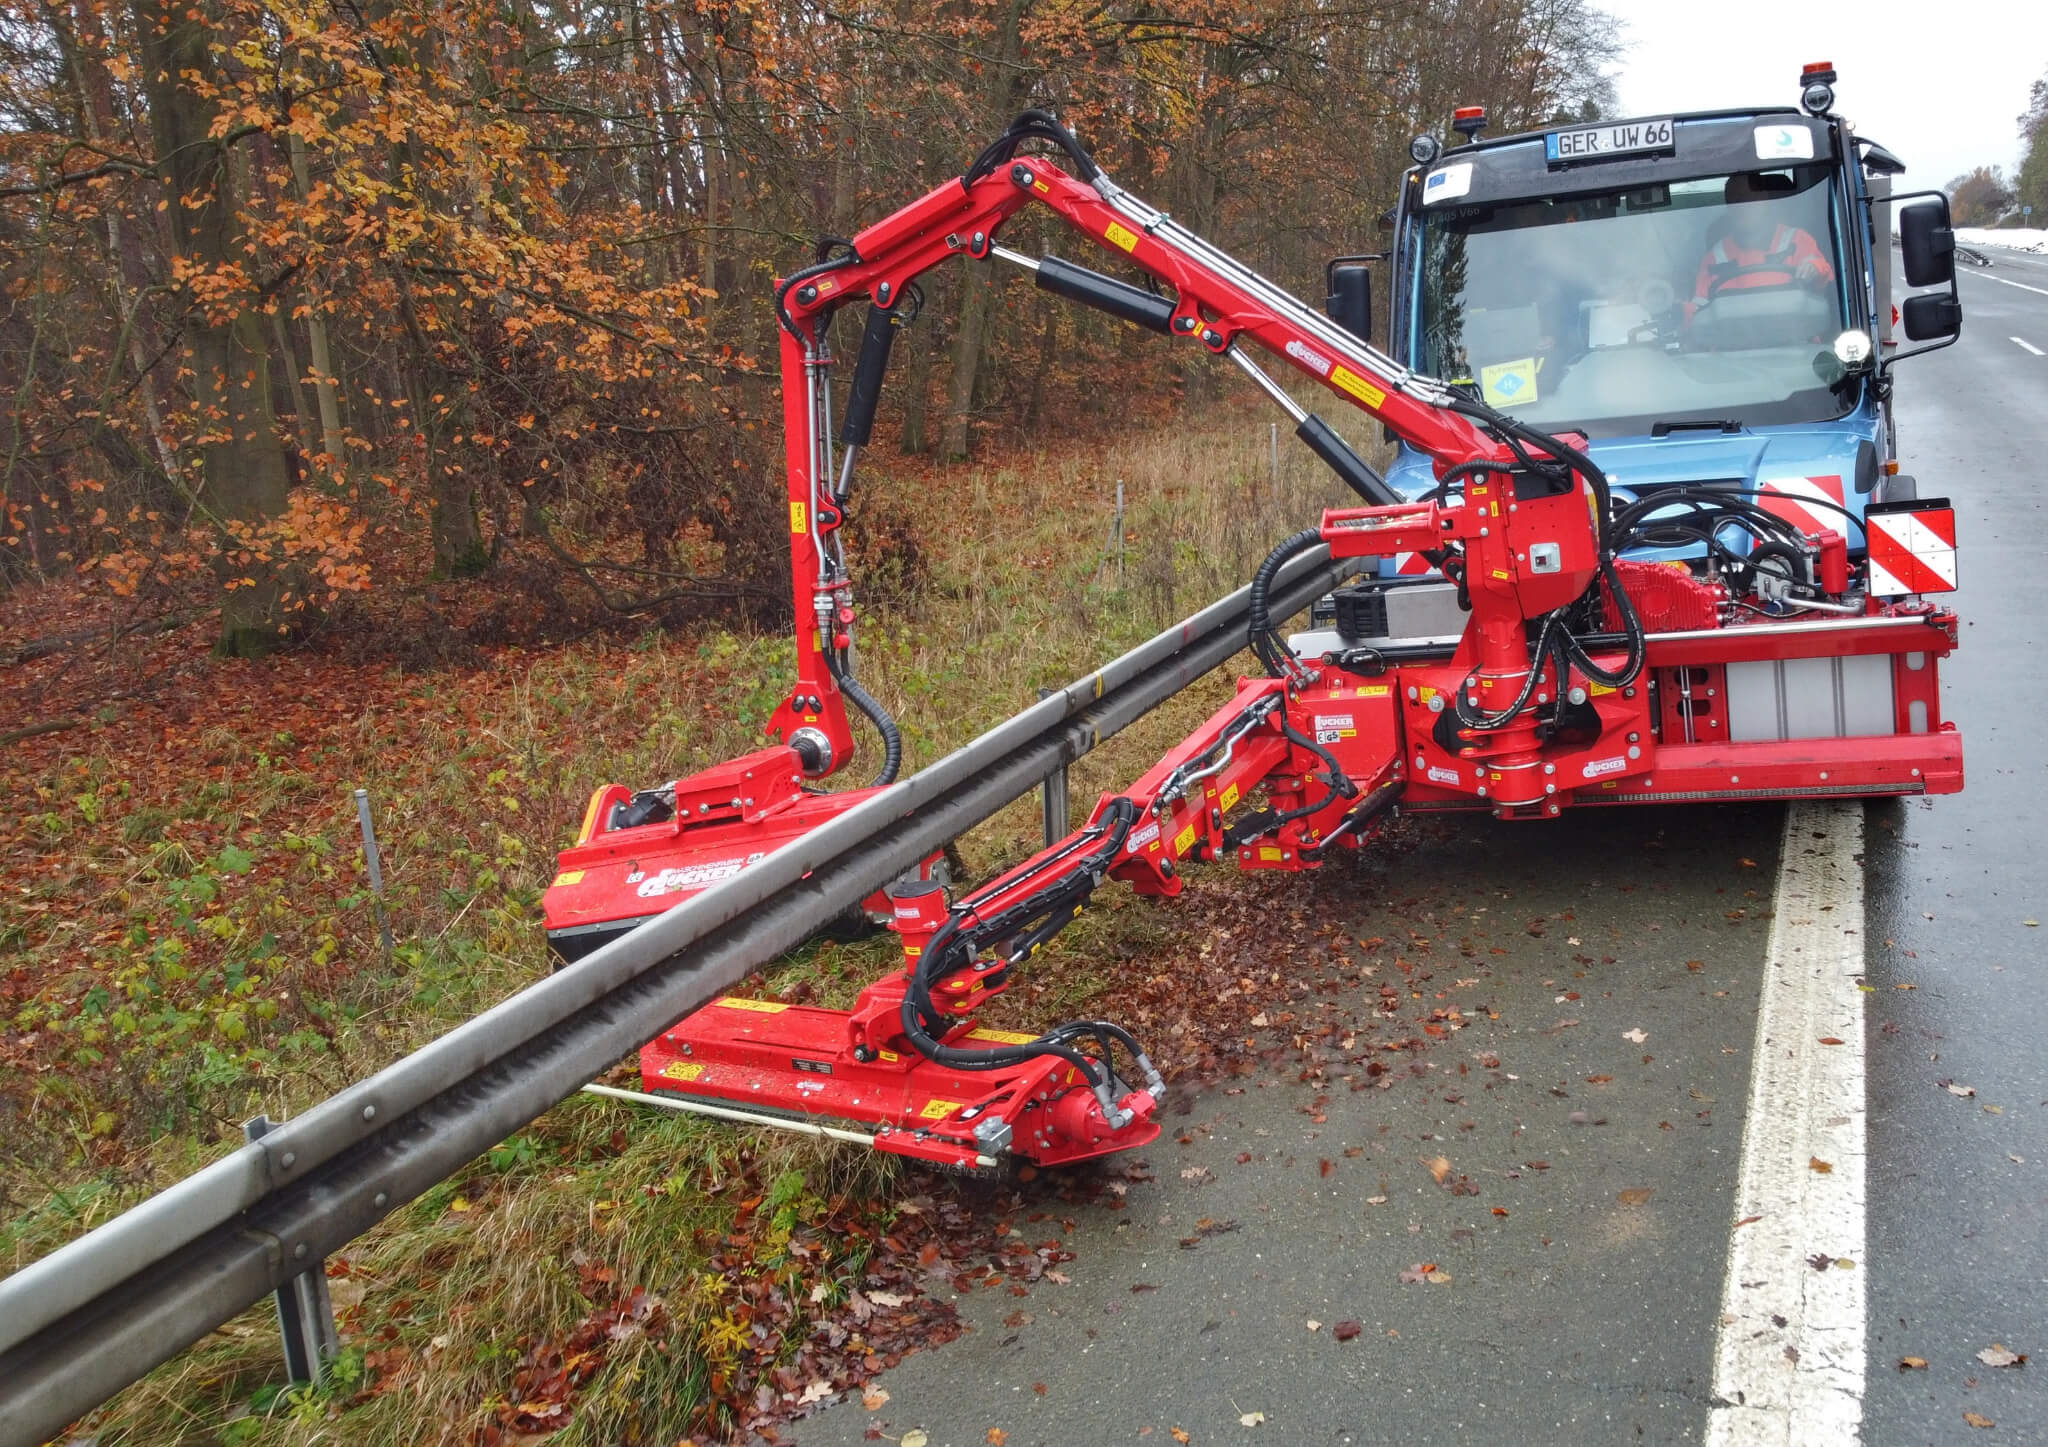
(1712, 299)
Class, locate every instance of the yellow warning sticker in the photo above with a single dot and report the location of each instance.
(1502, 574)
(796, 518)
(1184, 841)
(1376, 690)
(1001, 1037)
(827, 285)
(1596, 689)
(889, 1057)
(682, 1070)
(1357, 386)
(939, 1109)
(1041, 187)
(1229, 797)
(568, 876)
(759, 1007)
(1119, 236)
(1268, 854)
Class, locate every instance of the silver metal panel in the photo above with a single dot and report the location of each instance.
(1810, 698)
(1808, 689)
(1423, 611)
(1753, 692)
(1867, 695)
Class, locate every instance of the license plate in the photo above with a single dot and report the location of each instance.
(1599, 143)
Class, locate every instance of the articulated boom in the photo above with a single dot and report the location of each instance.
(1579, 677)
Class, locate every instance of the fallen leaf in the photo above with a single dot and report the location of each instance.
(1902, 985)
(1965, 1091)
(1193, 1173)
(873, 1398)
(1416, 1273)
(1326, 1167)
(1821, 1166)
(817, 1391)
(1251, 1419)
(1313, 1325)
(1994, 1110)
(1440, 1168)
(997, 1437)
(1636, 1195)
(915, 1437)
(1831, 1040)
(1178, 1434)
(2031, 923)
(1438, 1278)
(1912, 1364)
(886, 1298)
(460, 1203)
(1996, 1355)
(1637, 1035)
(1500, 1210)
(1975, 1420)
(1375, 1200)
(1695, 965)
(1347, 1330)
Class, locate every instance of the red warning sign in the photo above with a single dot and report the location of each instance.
(1912, 551)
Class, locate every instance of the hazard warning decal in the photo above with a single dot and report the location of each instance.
(1811, 504)
(1912, 549)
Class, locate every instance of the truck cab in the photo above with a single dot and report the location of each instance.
(1706, 297)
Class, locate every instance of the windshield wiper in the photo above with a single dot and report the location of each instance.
(1665, 429)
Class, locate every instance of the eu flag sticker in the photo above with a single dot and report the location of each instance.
(1509, 384)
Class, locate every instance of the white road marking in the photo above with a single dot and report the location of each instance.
(2025, 345)
(2003, 282)
(1789, 1360)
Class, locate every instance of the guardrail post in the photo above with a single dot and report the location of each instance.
(1053, 792)
(305, 1312)
(375, 861)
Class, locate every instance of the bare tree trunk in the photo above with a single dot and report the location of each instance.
(325, 382)
(242, 464)
(1004, 86)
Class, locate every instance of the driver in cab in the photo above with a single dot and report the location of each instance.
(1757, 251)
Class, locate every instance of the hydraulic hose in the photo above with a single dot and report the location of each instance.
(867, 703)
(1272, 653)
(953, 946)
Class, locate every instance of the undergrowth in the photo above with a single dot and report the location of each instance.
(189, 938)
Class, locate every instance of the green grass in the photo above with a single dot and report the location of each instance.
(201, 946)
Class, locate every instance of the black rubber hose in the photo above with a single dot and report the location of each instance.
(867, 703)
(1264, 642)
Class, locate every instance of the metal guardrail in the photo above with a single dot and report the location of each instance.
(98, 1313)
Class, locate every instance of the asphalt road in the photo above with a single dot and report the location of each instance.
(1958, 1226)
(1583, 1276)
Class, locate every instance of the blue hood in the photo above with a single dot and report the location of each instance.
(1817, 459)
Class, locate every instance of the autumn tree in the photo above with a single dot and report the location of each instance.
(1979, 197)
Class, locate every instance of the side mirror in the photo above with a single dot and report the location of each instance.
(1928, 243)
(1936, 314)
(1350, 299)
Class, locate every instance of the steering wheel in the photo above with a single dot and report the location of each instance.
(1656, 296)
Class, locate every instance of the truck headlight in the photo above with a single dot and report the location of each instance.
(1852, 348)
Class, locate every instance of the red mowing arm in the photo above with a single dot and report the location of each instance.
(1216, 302)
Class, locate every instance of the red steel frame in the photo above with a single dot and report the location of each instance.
(1389, 729)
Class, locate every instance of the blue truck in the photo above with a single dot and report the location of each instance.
(1707, 297)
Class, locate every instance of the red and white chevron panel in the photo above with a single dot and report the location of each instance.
(1912, 552)
(1792, 499)
(1410, 565)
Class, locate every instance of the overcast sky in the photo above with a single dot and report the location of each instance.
(1939, 84)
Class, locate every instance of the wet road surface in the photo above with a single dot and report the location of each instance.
(1577, 1290)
